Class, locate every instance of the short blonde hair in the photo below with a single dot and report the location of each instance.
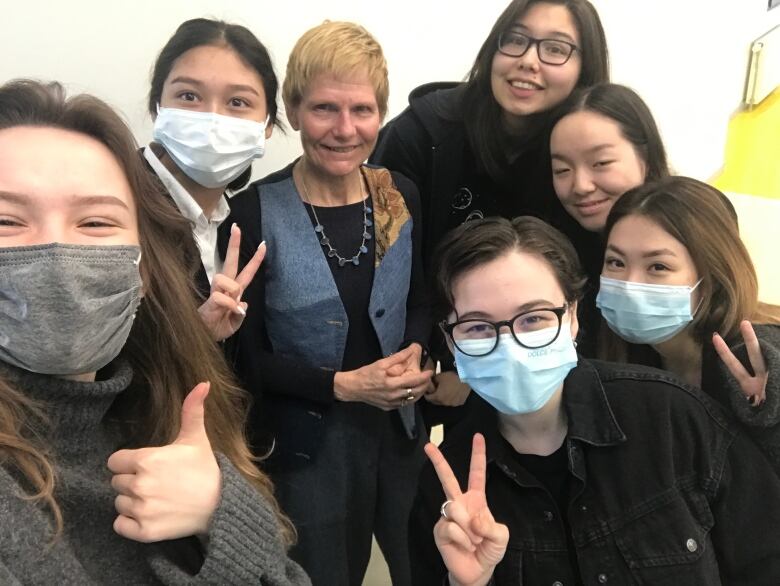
(340, 48)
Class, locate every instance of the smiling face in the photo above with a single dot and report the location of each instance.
(339, 119)
(508, 285)
(593, 164)
(524, 85)
(640, 251)
(62, 186)
(214, 79)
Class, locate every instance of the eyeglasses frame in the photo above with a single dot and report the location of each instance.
(536, 42)
(447, 328)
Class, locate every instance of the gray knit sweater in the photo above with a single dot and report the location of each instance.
(244, 546)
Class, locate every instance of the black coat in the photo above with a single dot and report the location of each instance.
(664, 490)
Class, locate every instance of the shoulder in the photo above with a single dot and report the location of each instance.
(248, 199)
(768, 333)
(656, 393)
(401, 182)
(434, 109)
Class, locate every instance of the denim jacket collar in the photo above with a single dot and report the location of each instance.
(591, 419)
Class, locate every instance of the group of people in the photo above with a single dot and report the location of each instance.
(196, 388)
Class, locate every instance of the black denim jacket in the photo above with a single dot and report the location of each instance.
(666, 491)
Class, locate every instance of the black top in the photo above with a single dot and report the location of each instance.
(343, 225)
(553, 472)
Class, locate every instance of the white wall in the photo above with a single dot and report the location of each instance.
(686, 57)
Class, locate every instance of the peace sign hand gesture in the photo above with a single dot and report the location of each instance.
(223, 312)
(754, 387)
(470, 541)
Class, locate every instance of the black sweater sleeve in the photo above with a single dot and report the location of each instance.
(418, 311)
(259, 369)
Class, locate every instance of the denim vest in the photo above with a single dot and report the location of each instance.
(305, 318)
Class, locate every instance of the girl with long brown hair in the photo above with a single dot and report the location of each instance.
(112, 470)
(679, 289)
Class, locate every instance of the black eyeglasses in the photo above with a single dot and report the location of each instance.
(531, 329)
(550, 51)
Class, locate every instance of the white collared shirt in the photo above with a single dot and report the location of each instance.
(204, 229)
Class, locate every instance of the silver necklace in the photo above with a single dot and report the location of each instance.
(325, 241)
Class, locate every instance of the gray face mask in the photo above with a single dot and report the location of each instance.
(66, 308)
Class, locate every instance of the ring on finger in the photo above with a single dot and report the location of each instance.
(443, 509)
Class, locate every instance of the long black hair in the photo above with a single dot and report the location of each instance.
(482, 113)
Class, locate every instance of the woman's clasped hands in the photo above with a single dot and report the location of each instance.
(470, 541)
(388, 383)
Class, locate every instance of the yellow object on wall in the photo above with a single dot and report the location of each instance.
(752, 164)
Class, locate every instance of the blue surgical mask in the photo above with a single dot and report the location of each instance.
(514, 379)
(642, 313)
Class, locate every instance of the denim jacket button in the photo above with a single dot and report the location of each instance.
(379, 313)
(584, 509)
(602, 578)
(691, 545)
(548, 516)
(557, 583)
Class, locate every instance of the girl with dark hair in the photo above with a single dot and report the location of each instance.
(605, 143)
(111, 469)
(678, 281)
(213, 101)
(569, 471)
(480, 148)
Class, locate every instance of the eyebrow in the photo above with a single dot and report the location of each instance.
(591, 150)
(14, 198)
(550, 35)
(650, 253)
(528, 306)
(236, 87)
(88, 200)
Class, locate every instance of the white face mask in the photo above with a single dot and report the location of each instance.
(211, 149)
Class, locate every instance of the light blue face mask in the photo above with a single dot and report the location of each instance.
(642, 313)
(514, 379)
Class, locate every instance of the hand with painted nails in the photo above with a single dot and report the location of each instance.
(223, 312)
(469, 540)
(171, 491)
(753, 386)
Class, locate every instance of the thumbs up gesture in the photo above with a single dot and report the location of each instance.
(171, 491)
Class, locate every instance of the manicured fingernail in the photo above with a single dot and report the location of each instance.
(233, 227)
(240, 310)
(259, 246)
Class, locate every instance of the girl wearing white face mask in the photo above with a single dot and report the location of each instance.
(678, 279)
(213, 101)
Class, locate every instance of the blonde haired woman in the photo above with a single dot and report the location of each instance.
(337, 324)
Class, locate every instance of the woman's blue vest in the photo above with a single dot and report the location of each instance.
(305, 318)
